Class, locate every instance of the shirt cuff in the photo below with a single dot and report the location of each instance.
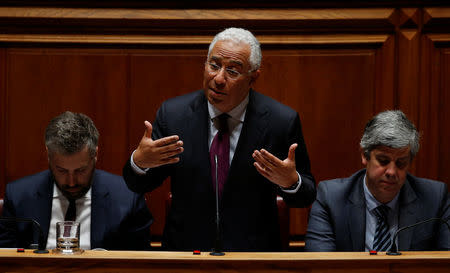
(136, 168)
(298, 184)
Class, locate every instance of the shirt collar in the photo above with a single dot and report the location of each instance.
(237, 113)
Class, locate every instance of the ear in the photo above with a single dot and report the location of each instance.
(96, 154)
(48, 155)
(254, 76)
(363, 158)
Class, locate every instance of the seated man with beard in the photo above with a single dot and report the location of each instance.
(110, 215)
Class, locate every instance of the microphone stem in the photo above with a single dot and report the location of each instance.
(394, 247)
(41, 243)
(217, 251)
(217, 197)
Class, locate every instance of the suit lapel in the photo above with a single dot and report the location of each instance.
(100, 201)
(407, 215)
(198, 131)
(43, 204)
(356, 215)
(253, 130)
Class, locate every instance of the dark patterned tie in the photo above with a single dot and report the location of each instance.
(382, 238)
(220, 147)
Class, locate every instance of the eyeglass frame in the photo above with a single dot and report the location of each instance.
(231, 73)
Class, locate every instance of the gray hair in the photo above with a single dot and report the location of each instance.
(70, 132)
(391, 129)
(239, 35)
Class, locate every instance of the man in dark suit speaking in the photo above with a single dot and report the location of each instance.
(363, 212)
(256, 143)
(110, 215)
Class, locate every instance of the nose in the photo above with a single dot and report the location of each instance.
(391, 170)
(71, 180)
(219, 78)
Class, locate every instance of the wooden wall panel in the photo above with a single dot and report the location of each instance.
(433, 123)
(434, 100)
(157, 75)
(3, 142)
(444, 119)
(88, 81)
(434, 157)
(323, 85)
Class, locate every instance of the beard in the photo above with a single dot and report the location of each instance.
(73, 192)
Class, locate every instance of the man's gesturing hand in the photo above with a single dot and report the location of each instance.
(153, 153)
(283, 173)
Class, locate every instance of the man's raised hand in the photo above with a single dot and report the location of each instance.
(154, 153)
(281, 172)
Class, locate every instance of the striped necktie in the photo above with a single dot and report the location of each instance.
(382, 238)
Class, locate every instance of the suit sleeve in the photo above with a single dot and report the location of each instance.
(307, 191)
(443, 240)
(320, 235)
(8, 230)
(137, 233)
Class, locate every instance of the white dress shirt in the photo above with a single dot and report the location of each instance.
(60, 204)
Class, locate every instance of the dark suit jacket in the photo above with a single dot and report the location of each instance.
(248, 207)
(337, 220)
(120, 218)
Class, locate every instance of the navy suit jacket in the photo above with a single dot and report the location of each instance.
(337, 220)
(248, 209)
(120, 219)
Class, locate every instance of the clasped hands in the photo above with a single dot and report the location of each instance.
(154, 153)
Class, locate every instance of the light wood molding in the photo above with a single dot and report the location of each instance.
(189, 40)
(68, 20)
(439, 38)
(438, 12)
(195, 14)
(436, 17)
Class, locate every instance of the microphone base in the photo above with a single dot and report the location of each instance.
(214, 253)
(393, 253)
(41, 251)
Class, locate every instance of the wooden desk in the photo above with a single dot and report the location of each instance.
(172, 262)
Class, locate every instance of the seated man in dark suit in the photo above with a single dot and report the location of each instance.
(110, 215)
(362, 212)
(255, 143)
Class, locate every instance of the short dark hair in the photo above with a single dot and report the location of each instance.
(70, 132)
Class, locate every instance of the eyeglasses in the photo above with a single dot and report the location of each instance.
(215, 68)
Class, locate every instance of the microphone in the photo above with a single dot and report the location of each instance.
(394, 247)
(41, 240)
(217, 250)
